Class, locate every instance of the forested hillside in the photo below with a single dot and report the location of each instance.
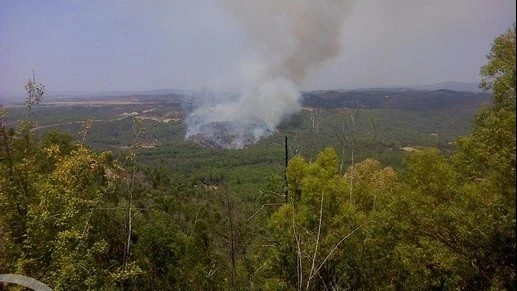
(76, 218)
(359, 124)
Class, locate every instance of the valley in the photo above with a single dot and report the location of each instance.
(386, 124)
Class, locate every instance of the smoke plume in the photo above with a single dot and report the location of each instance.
(287, 37)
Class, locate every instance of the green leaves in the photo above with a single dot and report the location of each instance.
(499, 74)
(69, 216)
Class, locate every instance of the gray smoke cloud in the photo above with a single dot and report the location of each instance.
(288, 38)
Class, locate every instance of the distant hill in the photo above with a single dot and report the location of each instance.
(455, 86)
(392, 98)
(402, 99)
(97, 95)
(424, 99)
(135, 98)
(119, 93)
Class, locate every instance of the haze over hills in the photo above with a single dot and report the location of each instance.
(68, 95)
(19, 97)
(456, 86)
(403, 99)
(415, 113)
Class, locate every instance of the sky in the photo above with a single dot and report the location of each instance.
(105, 45)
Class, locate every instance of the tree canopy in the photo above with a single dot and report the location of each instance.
(76, 219)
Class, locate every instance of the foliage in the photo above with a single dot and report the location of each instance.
(78, 219)
(499, 74)
(444, 223)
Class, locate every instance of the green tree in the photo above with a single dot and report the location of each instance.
(52, 199)
(490, 149)
(486, 160)
(499, 74)
(455, 217)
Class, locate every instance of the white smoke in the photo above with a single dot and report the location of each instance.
(288, 38)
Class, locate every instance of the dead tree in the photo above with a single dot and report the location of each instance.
(351, 129)
(315, 124)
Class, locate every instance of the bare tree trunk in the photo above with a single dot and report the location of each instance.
(334, 249)
(373, 125)
(137, 130)
(127, 250)
(233, 254)
(299, 267)
(342, 138)
(314, 129)
(6, 138)
(352, 129)
(129, 231)
(286, 186)
(373, 130)
(311, 271)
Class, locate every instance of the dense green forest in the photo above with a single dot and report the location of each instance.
(78, 218)
(383, 124)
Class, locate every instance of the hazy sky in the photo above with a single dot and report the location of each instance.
(98, 45)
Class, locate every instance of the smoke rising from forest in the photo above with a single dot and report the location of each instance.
(287, 38)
